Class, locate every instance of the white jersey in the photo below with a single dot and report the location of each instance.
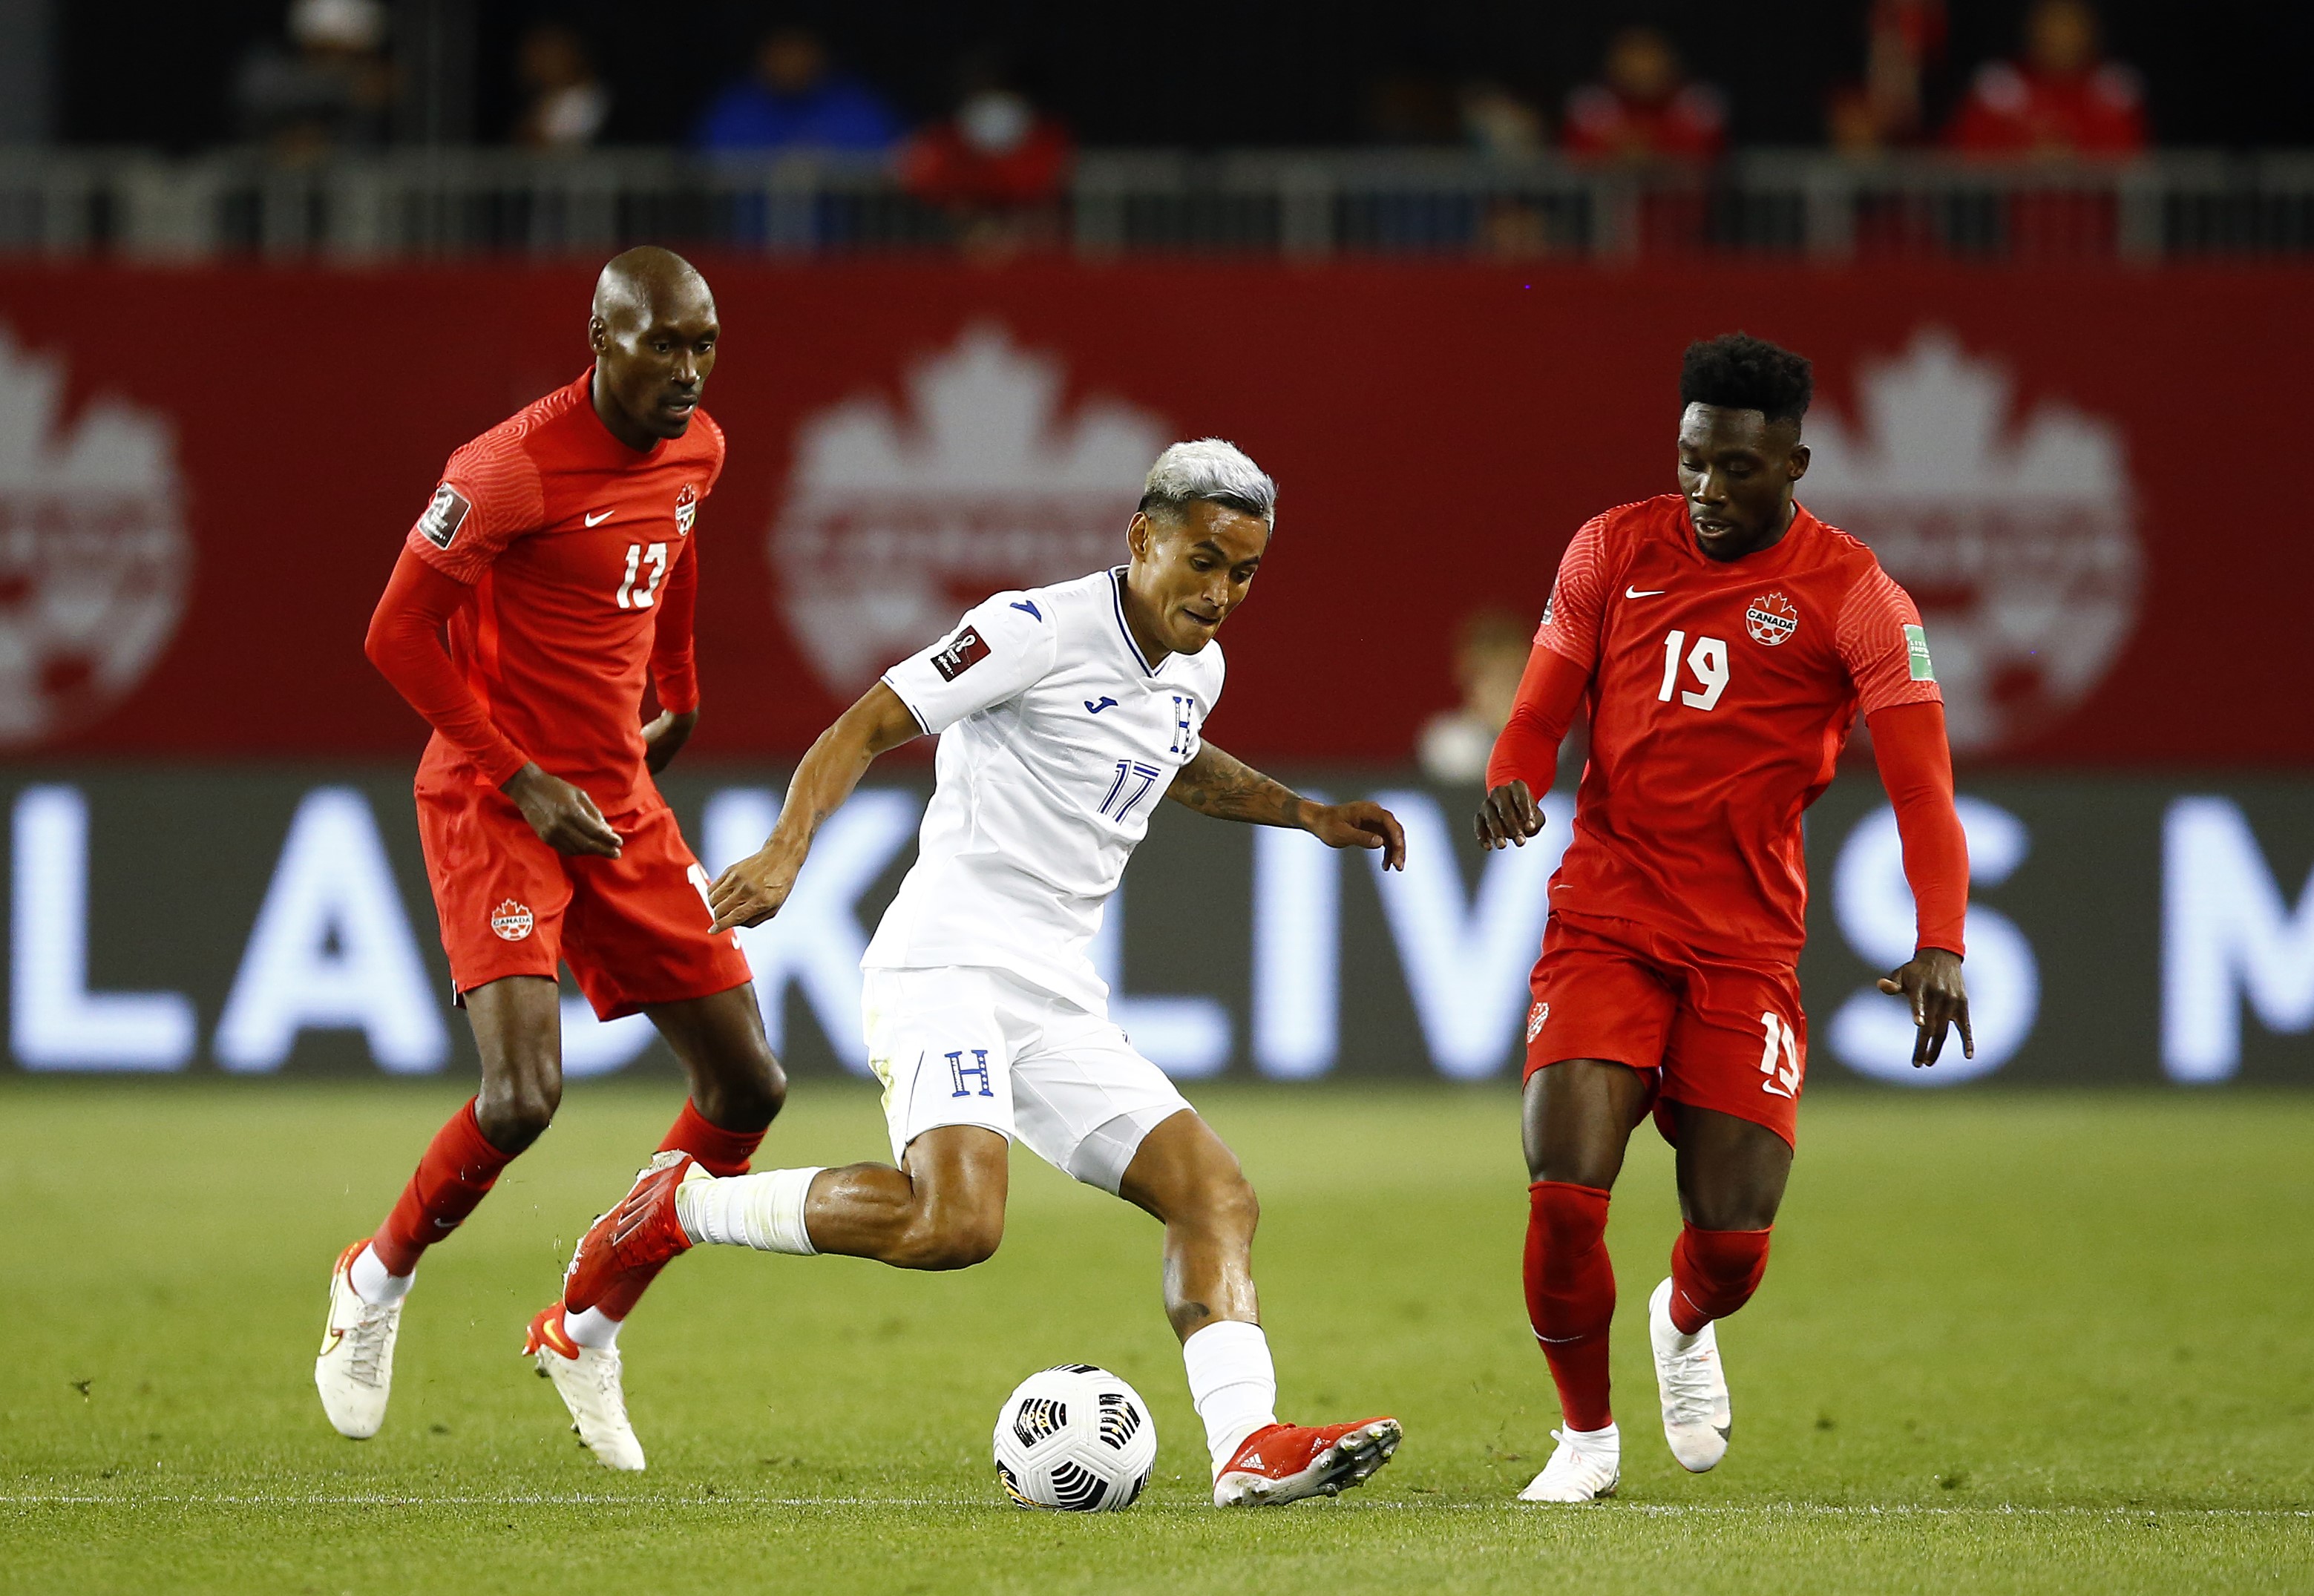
(1057, 739)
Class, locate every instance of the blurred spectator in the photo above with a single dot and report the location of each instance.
(998, 165)
(795, 98)
(1490, 651)
(1883, 110)
(567, 102)
(1645, 108)
(1411, 107)
(1498, 122)
(333, 90)
(2059, 99)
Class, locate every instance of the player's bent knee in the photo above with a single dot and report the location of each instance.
(756, 1097)
(515, 1113)
(955, 1241)
(1231, 1207)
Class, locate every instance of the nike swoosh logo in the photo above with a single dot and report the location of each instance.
(599, 516)
(1628, 592)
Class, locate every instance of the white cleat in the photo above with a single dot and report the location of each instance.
(355, 1370)
(1693, 1385)
(1583, 1467)
(588, 1382)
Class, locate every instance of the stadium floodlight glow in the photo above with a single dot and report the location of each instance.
(1467, 958)
(1297, 953)
(1188, 1037)
(332, 949)
(54, 1021)
(2227, 934)
(1871, 1033)
(815, 940)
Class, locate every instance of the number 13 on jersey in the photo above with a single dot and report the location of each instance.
(639, 557)
(1707, 660)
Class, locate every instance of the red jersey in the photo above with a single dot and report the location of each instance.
(1720, 696)
(2013, 111)
(570, 540)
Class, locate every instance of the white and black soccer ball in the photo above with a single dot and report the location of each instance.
(1076, 1438)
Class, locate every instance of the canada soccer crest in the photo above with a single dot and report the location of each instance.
(687, 509)
(1772, 618)
(2013, 526)
(1534, 1020)
(511, 921)
(988, 475)
(94, 557)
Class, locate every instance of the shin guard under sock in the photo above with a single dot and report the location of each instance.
(1571, 1294)
(1714, 1273)
(457, 1171)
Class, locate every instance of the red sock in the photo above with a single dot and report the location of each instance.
(456, 1173)
(1571, 1294)
(719, 1152)
(1714, 1273)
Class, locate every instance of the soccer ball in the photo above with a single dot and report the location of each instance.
(1076, 1438)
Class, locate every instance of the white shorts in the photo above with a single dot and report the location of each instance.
(960, 1047)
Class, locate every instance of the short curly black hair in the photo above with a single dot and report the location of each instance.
(1738, 372)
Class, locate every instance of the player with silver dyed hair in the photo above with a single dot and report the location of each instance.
(1211, 471)
(1063, 714)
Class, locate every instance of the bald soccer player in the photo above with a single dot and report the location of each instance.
(553, 568)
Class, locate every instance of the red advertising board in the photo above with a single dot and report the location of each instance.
(2082, 475)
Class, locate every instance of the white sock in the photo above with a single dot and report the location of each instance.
(1232, 1384)
(1591, 1440)
(373, 1284)
(591, 1326)
(765, 1212)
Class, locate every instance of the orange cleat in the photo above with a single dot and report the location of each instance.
(641, 1232)
(1285, 1463)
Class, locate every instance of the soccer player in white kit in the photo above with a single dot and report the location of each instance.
(1063, 714)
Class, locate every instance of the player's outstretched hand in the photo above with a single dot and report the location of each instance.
(1508, 817)
(565, 818)
(664, 738)
(752, 891)
(1931, 984)
(1361, 824)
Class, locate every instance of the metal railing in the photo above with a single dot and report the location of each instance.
(1773, 204)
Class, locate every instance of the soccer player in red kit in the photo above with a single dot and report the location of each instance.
(553, 570)
(1724, 640)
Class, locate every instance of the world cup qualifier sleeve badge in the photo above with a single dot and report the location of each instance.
(1771, 619)
(445, 516)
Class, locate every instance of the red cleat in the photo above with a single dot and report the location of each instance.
(1286, 1462)
(641, 1232)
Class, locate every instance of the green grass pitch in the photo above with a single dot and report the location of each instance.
(2008, 1342)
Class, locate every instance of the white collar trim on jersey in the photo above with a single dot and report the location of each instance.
(1117, 597)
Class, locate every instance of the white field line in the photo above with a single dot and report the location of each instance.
(721, 1500)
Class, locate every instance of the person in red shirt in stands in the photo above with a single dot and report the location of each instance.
(999, 165)
(554, 570)
(2063, 98)
(1645, 108)
(1724, 640)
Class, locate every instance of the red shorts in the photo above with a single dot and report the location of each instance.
(633, 930)
(1706, 1030)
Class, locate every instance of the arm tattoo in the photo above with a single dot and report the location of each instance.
(1214, 784)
